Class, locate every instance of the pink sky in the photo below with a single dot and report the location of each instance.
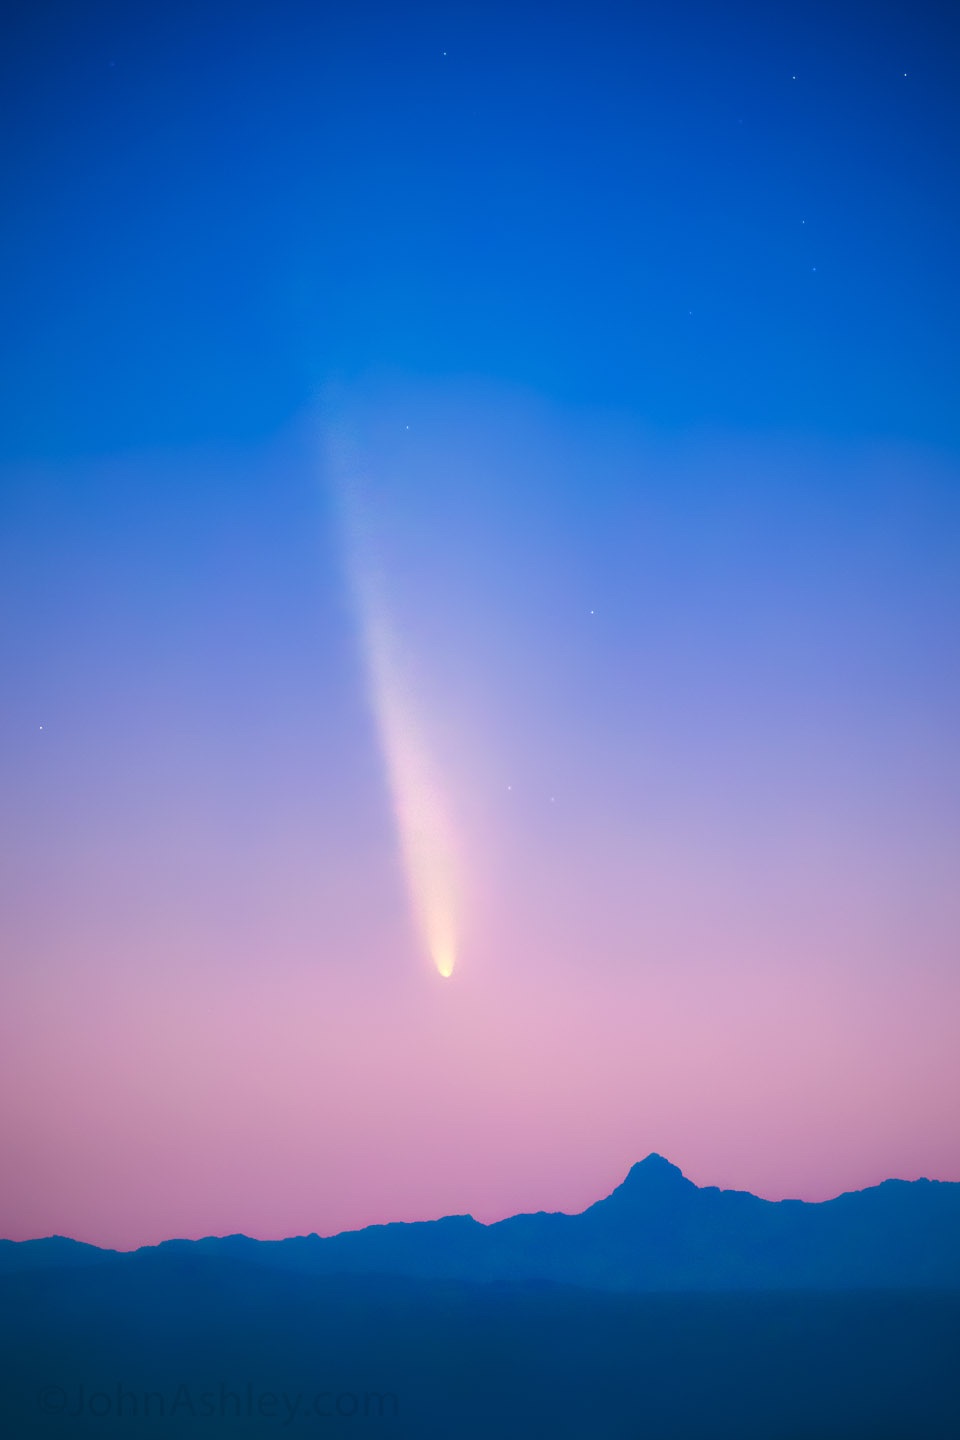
(710, 834)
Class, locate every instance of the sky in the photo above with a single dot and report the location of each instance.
(479, 597)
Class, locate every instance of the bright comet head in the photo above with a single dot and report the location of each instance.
(444, 963)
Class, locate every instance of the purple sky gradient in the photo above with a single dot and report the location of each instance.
(694, 701)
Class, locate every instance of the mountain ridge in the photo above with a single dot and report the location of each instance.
(655, 1231)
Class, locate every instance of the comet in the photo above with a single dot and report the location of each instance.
(420, 807)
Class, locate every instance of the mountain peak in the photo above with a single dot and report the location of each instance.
(651, 1179)
(655, 1164)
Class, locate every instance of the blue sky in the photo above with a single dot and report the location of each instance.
(213, 209)
(631, 333)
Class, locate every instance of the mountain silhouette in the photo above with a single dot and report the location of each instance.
(656, 1231)
(665, 1311)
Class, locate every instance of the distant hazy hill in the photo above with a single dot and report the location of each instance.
(657, 1231)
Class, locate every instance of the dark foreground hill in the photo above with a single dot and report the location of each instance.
(655, 1232)
(169, 1344)
(664, 1312)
